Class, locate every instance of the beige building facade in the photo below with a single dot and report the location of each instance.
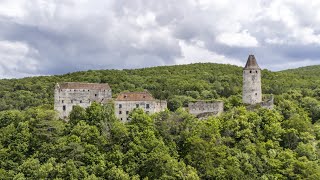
(68, 94)
(128, 101)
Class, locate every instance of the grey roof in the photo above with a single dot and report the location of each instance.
(251, 63)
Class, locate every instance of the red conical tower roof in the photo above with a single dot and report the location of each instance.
(251, 63)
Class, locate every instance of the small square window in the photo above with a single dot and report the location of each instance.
(120, 105)
(71, 101)
(62, 101)
(147, 106)
(120, 112)
(127, 112)
(137, 105)
(121, 119)
(95, 95)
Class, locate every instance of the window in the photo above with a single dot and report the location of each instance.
(64, 108)
(71, 101)
(120, 112)
(256, 94)
(121, 119)
(137, 105)
(256, 71)
(80, 101)
(120, 105)
(147, 106)
(147, 112)
(62, 101)
(95, 95)
(127, 119)
(250, 71)
(127, 112)
(125, 96)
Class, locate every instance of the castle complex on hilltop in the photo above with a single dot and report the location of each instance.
(66, 95)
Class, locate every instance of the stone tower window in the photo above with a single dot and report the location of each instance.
(250, 71)
(80, 101)
(147, 106)
(64, 108)
(256, 71)
(120, 105)
(62, 101)
(120, 112)
(137, 105)
(95, 95)
(127, 112)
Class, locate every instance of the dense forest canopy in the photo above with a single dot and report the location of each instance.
(262, 144)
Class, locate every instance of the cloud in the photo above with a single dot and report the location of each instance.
(17, 59)
(55, 36)
(242, 39)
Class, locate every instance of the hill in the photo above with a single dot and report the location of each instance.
(283, 143)
(196, 81)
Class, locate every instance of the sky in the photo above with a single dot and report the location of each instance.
(46, 37)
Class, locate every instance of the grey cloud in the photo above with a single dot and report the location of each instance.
(70, 36)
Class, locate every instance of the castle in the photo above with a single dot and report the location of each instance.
(66, 95)
(127, 101)
(206, 108)
(69, 94)
(251, 90)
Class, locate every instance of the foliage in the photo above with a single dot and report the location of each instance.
(261, 144)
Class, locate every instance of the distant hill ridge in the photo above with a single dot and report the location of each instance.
(186, 82)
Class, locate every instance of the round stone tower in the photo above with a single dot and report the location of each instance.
(251, 93)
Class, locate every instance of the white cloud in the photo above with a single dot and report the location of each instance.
(16, 60)
(196, 52)
(59, 36)
(242, 39)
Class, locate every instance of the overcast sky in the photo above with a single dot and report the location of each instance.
(42, 37)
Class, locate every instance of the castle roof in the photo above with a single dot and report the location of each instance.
(251, 63)
(135, 96)
(79, 85)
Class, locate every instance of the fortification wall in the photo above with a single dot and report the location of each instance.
(203, 107)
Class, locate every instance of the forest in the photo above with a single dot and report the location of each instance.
(283, 143)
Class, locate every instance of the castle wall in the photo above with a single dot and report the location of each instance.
(65, 99)
(123, 108)
(203, 107)
(252, 86)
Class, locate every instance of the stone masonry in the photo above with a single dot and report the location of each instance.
(68, 94)
(205, 108)
(128, 101)
(251, 82)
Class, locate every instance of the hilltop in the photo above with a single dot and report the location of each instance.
(189, 82)
(282, 143)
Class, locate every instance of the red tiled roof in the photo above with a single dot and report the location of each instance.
(135, 96)
(78, 85)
